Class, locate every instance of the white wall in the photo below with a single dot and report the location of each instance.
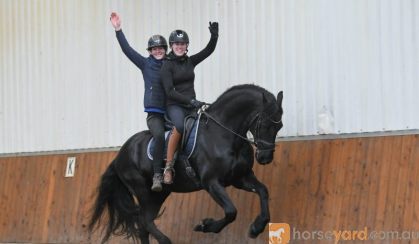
(65, 84)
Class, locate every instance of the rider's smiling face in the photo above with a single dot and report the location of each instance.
(179, 48)
(158, 52)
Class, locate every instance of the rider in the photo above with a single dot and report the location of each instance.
(154, 95)
(178, 78)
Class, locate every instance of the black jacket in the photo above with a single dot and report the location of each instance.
(178, 74)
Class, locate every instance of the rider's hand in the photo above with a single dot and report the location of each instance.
(213, 28)
(196, 104)
(116, 21)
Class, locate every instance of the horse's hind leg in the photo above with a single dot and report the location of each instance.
(151, 204)
(144, 236)
(218, 193)
(252, 184)
(138, 187)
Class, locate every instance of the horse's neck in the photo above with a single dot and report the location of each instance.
(238, 113)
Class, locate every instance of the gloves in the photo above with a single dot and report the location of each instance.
(196, 104)
(213, 28)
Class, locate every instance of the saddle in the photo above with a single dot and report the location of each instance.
(188, 142)
(190, 132)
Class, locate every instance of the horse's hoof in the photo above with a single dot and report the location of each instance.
(199, 227)
(253, 233)
(204, 225)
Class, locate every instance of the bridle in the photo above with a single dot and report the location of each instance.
(261, 145)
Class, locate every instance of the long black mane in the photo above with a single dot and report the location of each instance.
(241, 91)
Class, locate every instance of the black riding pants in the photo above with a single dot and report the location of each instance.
(177, 115)
(155, 123)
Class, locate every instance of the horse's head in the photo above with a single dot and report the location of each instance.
(265, 127)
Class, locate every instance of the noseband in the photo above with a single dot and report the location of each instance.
(262, 145)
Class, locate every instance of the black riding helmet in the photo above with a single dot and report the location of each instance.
(178, 36)
(157, 41)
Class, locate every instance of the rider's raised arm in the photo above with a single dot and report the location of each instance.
(132, 55)
(204, 53)
(166, 74)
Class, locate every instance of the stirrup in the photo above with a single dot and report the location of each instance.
(169, 169)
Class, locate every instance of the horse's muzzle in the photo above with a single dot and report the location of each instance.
(264, 156)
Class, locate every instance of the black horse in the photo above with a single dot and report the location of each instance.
(223, 156)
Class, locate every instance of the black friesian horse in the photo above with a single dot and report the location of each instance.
(223, 156)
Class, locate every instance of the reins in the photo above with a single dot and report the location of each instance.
(270, 146)
(226, 128)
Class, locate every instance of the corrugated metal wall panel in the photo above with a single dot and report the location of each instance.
(345, 67)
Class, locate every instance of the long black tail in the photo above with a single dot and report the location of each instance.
(123, 212)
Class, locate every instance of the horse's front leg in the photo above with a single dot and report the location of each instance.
(218, 193)
(252, 184)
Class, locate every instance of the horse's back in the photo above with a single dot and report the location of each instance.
(132, 157)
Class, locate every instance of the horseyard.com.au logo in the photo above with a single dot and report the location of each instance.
(279, 233)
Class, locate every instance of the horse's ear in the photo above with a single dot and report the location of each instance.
(279, 99)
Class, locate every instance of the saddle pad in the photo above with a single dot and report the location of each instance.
(188, 148)
(151, 144)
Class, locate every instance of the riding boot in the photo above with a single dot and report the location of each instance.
(171, 149)
(157, 180)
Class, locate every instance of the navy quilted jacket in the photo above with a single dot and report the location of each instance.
(154, 94)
